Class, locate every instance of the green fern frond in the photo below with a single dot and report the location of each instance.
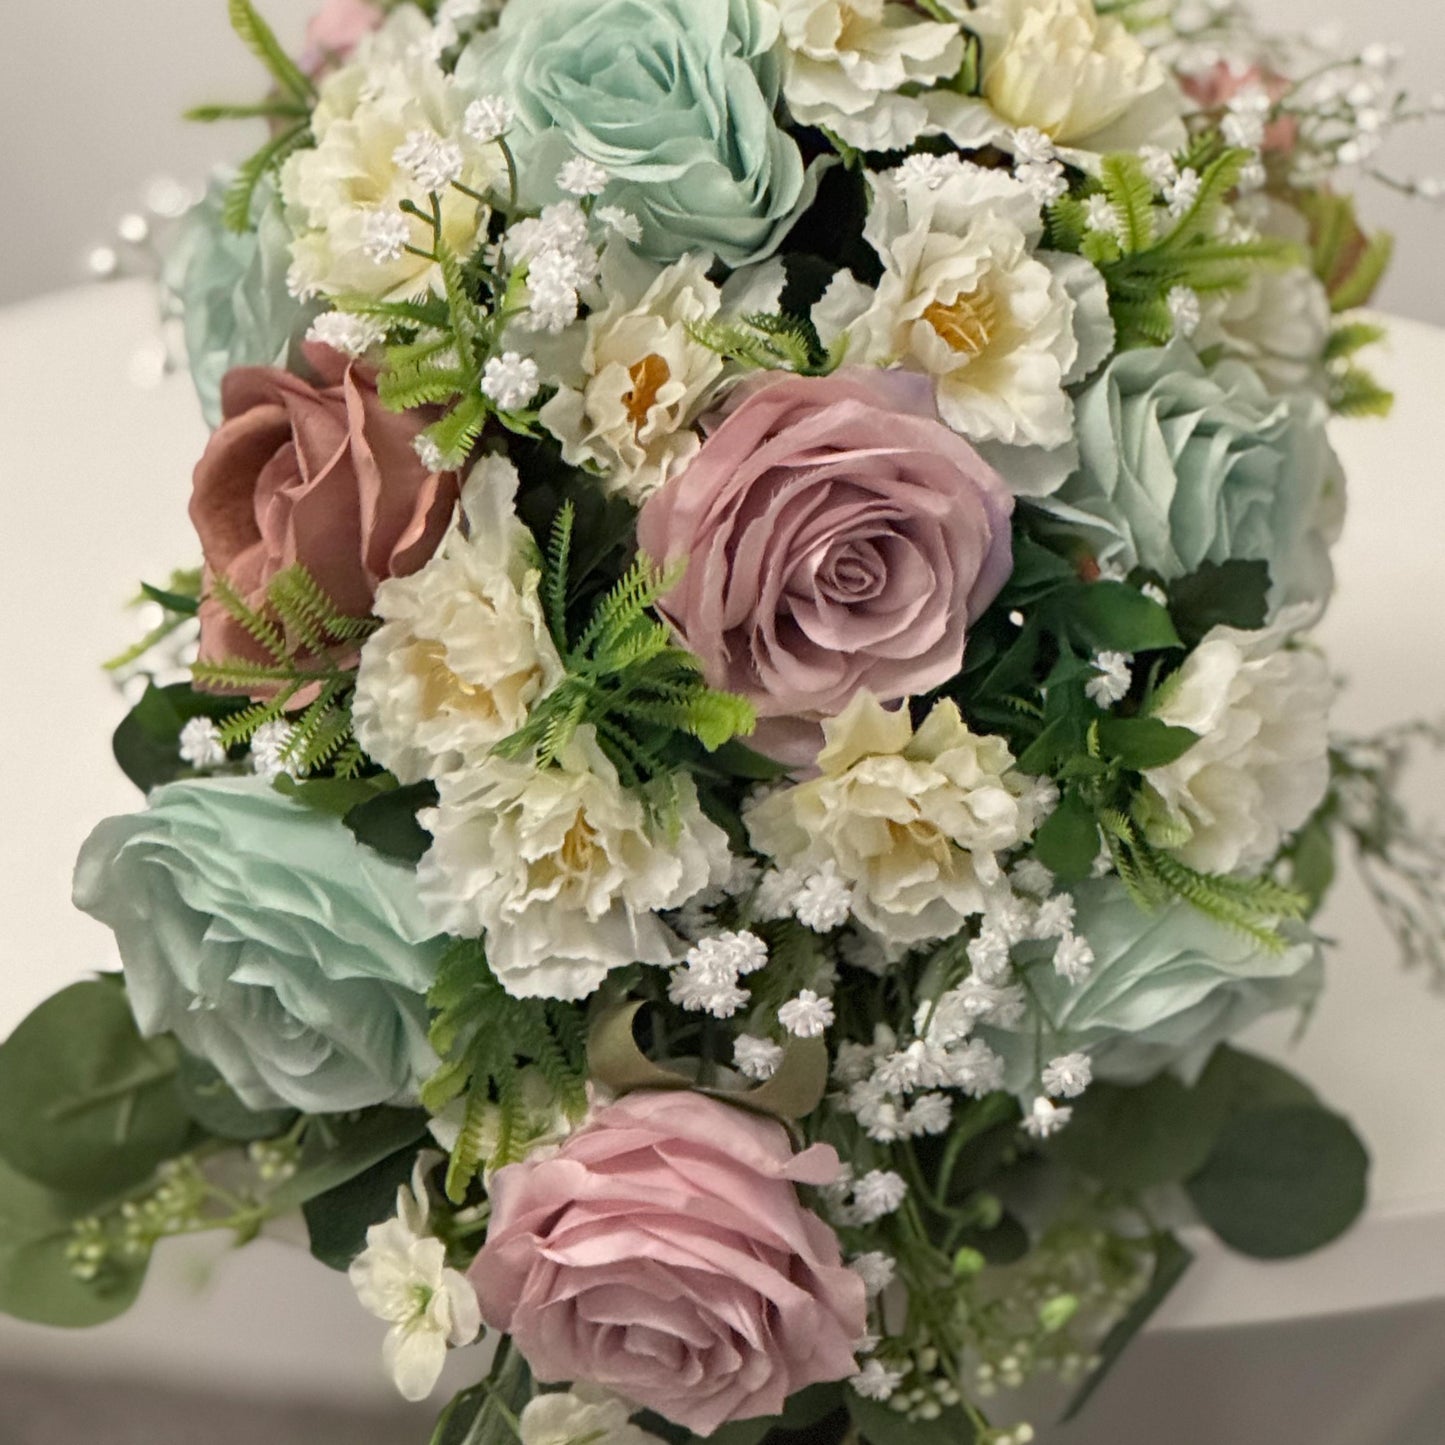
(1354, 392)
(1131, 197)
(240, 198)
(262, 41)
(557, 573)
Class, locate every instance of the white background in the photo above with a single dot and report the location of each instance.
(91, 92)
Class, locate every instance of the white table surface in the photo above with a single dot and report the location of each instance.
(94, 480)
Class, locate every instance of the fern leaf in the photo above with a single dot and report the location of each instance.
(240, 198)
(261, 39)
(1131, 197)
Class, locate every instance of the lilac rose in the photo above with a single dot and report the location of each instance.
(838, 537)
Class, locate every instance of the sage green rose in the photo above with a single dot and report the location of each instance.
(269, 942)
(231, 292)
(1181, 465)
(676, 99)
(1166, 988)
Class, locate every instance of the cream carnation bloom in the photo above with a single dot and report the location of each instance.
(1279, 322)
(464, 650)
(912, 821)
(636, 380)
(563, 870)
(367, 110)
(1059, 66)
(1261, 765)
(968, 299)
(847, 62)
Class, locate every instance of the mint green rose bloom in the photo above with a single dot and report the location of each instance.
(269, 942)
(1181, 465)
(232, 296)
(676, 99)
(1165, 989)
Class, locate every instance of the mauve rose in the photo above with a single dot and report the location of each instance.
(319, 473)
(1214, 88)
(336, 30)
(663, 1253)
(837, 537)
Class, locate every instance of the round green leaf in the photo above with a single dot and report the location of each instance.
(89, 1105)
(1282, 1181)
(36, 1283)
(1136, 1138)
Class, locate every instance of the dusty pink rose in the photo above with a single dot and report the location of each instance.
(838, 537)
(663, 1253)
(336, 30)
(319, 473)
(1214, 88)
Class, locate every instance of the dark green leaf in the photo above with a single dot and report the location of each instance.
(1144, 742)
(1068, 842)
(337, 1221)
(1283, 1181)
(1171, 1260)
(880, 1425)
(340, 1148)
(1311, 860)
(147, 743)
(36, 1283)
(212, 1103)
(336, 796)
(88, 1104)
(1037, 571)
(175, 602)
(1006, 1242)
(388, 822)
(473, 1418)
(1114, 617)
(1220, 594)
(1235, 1081)
(1140, 1137)
(802, 1416)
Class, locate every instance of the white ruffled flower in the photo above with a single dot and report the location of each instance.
(389, 127)
(637, 380)
(913, 822)
(809, 1016)
(271, 751)
(1046, 1118)
(402, 1277)
(875, 1269)
(1068, 1076)
(756, 1058)
(581, 1413)
(1113, 677)
(463, 651)
(848, 62)
(510, 380)
(1060, 67)
(1279, 322)
(1261, 765)
(351, 335)
(968, 299)
(877, 1381)
(564, 870)
(200, 744)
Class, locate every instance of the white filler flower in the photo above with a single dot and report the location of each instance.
(564, 870)
(911, 821)
(583, 1413)
(1261, 765)
(463, 651)
(402, 1277)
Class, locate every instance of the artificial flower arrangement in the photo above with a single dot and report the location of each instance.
(750, 735)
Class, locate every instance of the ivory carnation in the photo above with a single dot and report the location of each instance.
(848, 62)
(563, 870)
(663, 1253)
(1261, 765)
(367, 112)
(463, 651)
(968, 300)
(1060, 67)
(628, 399)
(912, 821)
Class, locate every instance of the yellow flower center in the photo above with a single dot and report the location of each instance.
(649, 376)
(443, 690)
(968, 324)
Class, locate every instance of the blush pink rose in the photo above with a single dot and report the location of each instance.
(663, 1254)
(1214, 88)
(336, 30)
(837, 537)
(319, 473)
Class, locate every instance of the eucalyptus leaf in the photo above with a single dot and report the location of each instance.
(335, 796)
(89, 1103)
(339, 1148)
(213, 1104)
(1283, 1181)
(147, 742)
(36, 1281)
(176, 602)
(337, 1221)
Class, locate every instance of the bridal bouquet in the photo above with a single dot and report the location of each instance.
(748, 736)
